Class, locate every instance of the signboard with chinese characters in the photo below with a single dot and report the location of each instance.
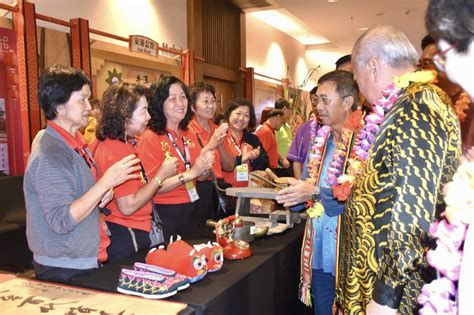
(23, 296)
(142, 44)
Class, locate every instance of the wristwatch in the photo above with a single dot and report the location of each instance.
(316, 197)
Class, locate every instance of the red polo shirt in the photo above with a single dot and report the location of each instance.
(267, 137)
(233, 151)
(205, 137)
(106, 154)
(151, 150)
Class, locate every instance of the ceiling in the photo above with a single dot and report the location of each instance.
(343, 21)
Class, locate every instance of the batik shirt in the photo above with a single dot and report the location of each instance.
(388, 215)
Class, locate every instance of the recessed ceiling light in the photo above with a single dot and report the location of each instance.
(287, 23)
(362, 28)
(331, 1)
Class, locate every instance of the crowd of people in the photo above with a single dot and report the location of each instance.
(368, 166)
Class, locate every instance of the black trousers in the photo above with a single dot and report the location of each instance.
(179, 219)
(125, 242)
(57, 274)
(206, 206)
(284, 172)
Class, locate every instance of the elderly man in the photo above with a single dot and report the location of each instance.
(337, 93)
(382, 265)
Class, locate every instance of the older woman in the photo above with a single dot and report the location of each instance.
(203, 104)
(167, 137)
(244, 147)
(451, 23)
(124, 117)
(61, 193)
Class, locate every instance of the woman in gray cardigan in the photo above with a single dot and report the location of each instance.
(61, 194)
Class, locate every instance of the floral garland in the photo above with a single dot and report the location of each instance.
(462, 105)
(440, 296)
(367, 135)
(315, 158)
(342, 183)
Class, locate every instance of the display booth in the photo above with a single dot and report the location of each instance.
(28, 49)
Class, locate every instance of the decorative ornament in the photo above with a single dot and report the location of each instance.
(165, 147)
(113, 77)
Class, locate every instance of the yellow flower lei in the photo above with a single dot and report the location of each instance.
(423, 76)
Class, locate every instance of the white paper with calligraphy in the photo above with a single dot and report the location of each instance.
(23, 296)
(142, 44)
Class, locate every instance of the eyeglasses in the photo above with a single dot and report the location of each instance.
(326, 101)
(440, 58)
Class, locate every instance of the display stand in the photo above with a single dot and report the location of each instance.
(244, 194)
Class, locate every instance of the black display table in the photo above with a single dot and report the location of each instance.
(266, 283)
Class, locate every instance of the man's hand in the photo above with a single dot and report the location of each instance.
(299, 191)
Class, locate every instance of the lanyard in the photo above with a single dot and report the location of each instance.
(85, 153)
(183, 155)
(235, 144)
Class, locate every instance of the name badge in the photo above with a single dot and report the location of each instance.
(242, 173)
(192, 192)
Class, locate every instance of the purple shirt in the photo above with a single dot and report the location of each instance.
(301, 141)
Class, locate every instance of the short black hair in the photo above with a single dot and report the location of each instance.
(343, 60)
(56, 85)
(275, 112)
(118, 104)
(197, 88)
(451, 20)
(345, 84)
(427, 40)
(240, 101)
(159, 93)
(282, 103)
(218, 118)
(313, 90)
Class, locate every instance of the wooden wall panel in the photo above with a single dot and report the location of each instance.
(221, 33)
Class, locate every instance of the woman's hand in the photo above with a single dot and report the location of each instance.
(285, 163)
(106, 198)
(203, 163)
(168, 168)
(251, 155)
(218, 136)
(123, 170)
(299, 191)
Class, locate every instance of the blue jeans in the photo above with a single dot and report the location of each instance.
(323, 290)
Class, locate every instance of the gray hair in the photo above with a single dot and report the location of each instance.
(387, 44)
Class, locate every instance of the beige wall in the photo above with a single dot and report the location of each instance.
(269, 51)
(160, 20)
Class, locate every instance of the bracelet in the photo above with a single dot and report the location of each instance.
(181, 178)
(159, 181)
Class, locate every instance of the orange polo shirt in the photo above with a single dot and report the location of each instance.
(106, 154)
(232, 150)
(267, 137)
(205, 137)
(151, 150)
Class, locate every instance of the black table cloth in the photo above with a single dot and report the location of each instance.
(266, 283)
